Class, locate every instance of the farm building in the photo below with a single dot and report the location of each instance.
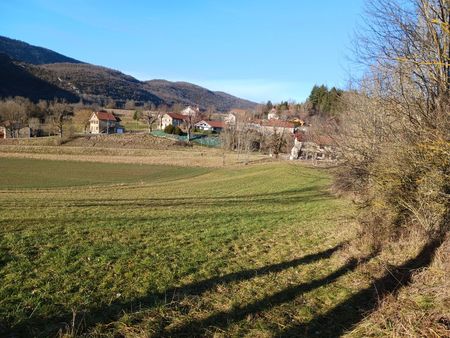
(14, 130)
(174, 119)
(270, 126)
(208, 125)
(103, 122)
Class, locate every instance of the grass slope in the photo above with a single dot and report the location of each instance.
(107, 249)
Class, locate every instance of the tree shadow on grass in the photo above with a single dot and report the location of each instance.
(223, 319)
(343, 317)
(306, 194)
(44, 326)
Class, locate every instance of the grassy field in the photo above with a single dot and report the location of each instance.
(103, 249)
(139, 149)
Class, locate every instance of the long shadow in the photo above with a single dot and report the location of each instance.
(42, 326)
(343, 317)
(223, 319)
(271, 199)
(244, 197)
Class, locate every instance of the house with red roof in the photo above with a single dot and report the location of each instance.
(174, 119)
(103, 122)
(279, 126)
(209, 125)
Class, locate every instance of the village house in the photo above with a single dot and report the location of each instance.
(230, 119)
(273, 115)
(174, 119)
(103, 122)
(190, 111)
(208, 125)
(237, 116)
(279, 126)
(14, 130)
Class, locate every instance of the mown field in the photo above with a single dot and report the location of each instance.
(107, 249)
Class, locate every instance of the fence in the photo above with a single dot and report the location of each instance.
(204, 140)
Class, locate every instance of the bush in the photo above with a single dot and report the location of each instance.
(169, 129)
(177, 131)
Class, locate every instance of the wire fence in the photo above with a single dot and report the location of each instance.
(204, 140)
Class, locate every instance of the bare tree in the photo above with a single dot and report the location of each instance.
(13, 112)
(81, 118)
(394, 134)
(150, 117)
(60, 113)
(191, 118)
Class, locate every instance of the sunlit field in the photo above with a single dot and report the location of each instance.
(148, 250)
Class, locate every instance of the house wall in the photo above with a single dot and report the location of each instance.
(230, 119)
(97, 126)
(279, 130)
(94, 126)
(166, 120)
(272, 116)
(204, 126)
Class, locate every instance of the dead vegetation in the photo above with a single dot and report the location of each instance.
(394, 151)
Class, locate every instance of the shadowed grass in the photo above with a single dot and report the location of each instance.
(140, 247)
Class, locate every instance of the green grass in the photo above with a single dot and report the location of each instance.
(25, 173)
(153, 250)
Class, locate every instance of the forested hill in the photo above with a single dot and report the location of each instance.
(95, 81)
(70, 78)
(190, 94)
(15, 80)
(25, 52)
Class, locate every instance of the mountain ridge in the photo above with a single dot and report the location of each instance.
(99, 84)
(25, 52)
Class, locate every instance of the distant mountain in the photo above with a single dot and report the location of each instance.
(25, 52)
(15, 80)
(191, 94)
(94, 81)
(62, 76)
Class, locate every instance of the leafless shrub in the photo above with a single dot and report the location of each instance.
(394, 139)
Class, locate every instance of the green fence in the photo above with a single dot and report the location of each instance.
(204, 140)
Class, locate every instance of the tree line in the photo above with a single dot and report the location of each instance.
(18, 112)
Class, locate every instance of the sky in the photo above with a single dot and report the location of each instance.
(259, 50)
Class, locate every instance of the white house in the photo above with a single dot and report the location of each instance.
(273, 115)
(104, 122)
(174, 119)
(230, 118)
(208, 125)
(279, 126)
(190, 111)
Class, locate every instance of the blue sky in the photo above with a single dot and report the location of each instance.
(259, 50)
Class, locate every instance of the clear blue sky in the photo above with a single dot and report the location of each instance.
(259, 50)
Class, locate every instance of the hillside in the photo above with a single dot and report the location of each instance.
(67, 77)
(25, 52)
(15, 80)
(90, 80)
(190, 94)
